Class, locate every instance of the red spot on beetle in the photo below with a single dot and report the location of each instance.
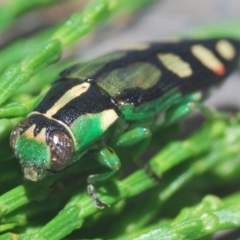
(220, 71)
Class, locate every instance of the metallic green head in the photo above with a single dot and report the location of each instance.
(42, 145)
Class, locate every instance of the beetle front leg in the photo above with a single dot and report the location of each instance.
(108, 158)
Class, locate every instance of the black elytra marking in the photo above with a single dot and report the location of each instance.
(92, 101)
(57, 90)
(201, 78)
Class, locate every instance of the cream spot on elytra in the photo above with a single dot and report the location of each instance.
(225, 49)
(208, 59)
(175, 64)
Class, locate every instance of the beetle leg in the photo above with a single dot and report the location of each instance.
(108, 158)
(178, 111)
(140, 135)
(133, 136)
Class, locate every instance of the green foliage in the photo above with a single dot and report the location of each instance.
(58, 205)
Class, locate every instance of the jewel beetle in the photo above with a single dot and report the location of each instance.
(116, 100)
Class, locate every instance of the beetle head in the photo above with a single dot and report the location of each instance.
(42, 145)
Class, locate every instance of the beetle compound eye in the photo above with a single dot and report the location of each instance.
(17, 131)
(61, 149)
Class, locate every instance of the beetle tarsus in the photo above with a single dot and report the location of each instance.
(150, 172)
(91, 192)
